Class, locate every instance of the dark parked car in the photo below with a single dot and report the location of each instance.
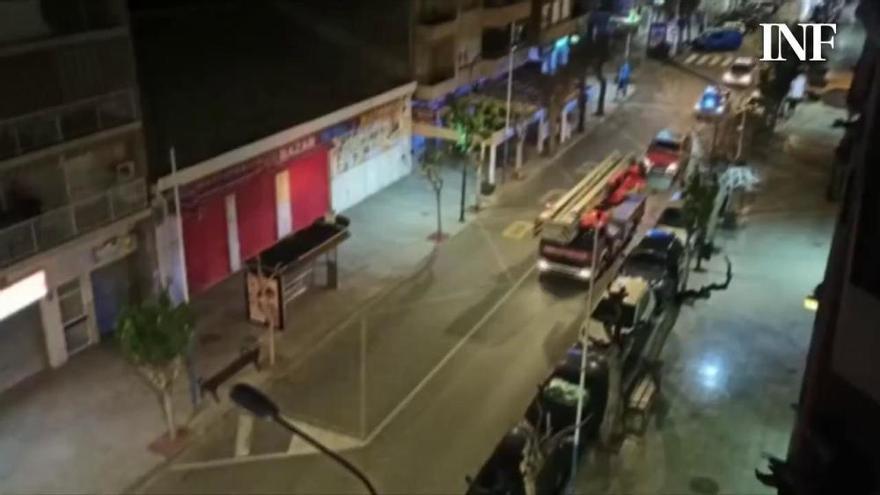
(718, 40)
(660, 259)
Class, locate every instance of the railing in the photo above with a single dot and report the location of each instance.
(54, 227)
(47, 127)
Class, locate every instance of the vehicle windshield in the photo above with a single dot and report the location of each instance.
(740, 69)
(667, 145)
(672, 217)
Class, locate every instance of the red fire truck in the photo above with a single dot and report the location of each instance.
(598, 220)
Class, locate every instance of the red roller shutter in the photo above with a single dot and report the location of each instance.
(255, 209)
(205, 244)
(309, 187)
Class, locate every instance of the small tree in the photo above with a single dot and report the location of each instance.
(474, 120)
(154, 336)
(431, 168)
(699, 203)
(612, 421)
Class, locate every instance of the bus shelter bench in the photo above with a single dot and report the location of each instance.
(640, 403)
(246, 356)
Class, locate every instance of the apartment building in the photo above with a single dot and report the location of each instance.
(72, 188)
(459, 42)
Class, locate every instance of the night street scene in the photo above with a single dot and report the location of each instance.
(430, 247)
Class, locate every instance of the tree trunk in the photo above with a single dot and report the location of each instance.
(478, 183)
(168, 409)
(603, 86)
(611, 419)
(464, 167)
(437, 194)
(582, 103)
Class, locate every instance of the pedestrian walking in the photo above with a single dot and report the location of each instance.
(622, 80)
(796, 92)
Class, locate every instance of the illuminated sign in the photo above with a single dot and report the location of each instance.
(22, 294)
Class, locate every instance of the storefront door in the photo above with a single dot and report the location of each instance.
(112, 292)
(22, 346)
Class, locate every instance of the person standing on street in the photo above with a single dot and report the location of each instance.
(622, 80)
(796, 92)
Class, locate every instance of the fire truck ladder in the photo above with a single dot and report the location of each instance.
(560, 220)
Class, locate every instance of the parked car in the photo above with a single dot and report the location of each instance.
(735, 25)
(741, 73)
(660, 259)
(668, 153)
(718, 40)
(672, 219)
(712, 103)
(639, 308)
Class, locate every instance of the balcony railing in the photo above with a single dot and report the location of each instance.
(56, 125)
(55, 227)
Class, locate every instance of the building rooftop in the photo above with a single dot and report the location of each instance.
(215, 76)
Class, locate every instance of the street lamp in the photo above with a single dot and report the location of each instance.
(261, 406)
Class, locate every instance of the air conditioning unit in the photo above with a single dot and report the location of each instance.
(124, 171)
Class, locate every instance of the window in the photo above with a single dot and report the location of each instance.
(557, 11)
(545, 15)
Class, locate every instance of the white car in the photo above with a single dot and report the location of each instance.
(741, 73)
(736, 25)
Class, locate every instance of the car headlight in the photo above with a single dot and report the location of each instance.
(672, 168)
(543, 266)
(728, 77)
(584, 273)
(719, 109)
(648, 163)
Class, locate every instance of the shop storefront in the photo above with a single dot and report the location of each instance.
(242, 202)
(56, 304)
(229, 218)
(372, 154)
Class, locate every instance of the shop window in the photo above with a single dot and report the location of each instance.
(74, 317)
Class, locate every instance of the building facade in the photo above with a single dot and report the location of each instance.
(73, 197)
(460, 45)
(834, 441)
(239, 203)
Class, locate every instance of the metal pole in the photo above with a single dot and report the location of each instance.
(181, 252)
(742, 133)
(363, 394)
(190, 361)
(585, 341)
(509, 92)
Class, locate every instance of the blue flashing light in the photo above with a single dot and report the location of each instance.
(561, 42)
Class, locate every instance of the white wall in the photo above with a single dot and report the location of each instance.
(64, 263)
(358, 183)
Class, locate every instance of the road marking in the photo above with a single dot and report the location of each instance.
(702, 59)
(728, 61)
(714, 61)
(517, 230)
(691, 58)
(449, 355)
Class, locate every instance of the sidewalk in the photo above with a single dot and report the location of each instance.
(88, 423)
(732, 364)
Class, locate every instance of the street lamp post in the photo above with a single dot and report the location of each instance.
(585, 341)
(509, 92)
(261, 406)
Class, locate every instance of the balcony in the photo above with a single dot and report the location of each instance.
(500, 13)
(54, 227)
(57, 125)
(563, 28)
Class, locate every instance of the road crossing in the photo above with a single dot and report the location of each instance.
(706, 59)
